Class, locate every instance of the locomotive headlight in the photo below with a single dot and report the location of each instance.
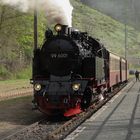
(37, 87)
(58, 28)
(76, 87)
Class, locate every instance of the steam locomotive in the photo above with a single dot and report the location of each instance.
(72, 70)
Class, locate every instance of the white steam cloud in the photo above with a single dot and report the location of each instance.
(57, 11)
(22, 5)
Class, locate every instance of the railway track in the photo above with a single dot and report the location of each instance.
(36, 131)
(17, 92)
(58, 130)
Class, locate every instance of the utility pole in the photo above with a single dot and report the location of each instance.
(35, 28)
(35, 38)
(125, 41)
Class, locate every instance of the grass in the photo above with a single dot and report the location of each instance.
(9, 85)
(14, 81)
(131, 76)
(24, 74)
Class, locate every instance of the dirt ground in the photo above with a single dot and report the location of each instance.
(16, 114)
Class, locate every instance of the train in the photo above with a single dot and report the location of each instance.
(73, 70)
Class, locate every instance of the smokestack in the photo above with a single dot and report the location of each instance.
(57, 11)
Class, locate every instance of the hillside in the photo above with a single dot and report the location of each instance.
(108, 30)
(16, 36)
(126, 11)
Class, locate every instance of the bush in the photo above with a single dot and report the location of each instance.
(4, 73)
(24, 74)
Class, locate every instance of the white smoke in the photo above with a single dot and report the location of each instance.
(57, 11)
(22, 5)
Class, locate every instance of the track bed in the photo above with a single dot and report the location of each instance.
(45, 130)
(16, 114)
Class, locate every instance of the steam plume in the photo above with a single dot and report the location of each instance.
(57, 11)
(22, 5)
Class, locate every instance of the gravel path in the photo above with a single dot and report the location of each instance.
(15, 114)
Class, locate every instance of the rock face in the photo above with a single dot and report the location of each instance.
(123, 10)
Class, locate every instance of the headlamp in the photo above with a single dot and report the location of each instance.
(58, 28)
(76, 87)
(37, 87)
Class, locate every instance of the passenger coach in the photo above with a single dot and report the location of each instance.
(118, 70)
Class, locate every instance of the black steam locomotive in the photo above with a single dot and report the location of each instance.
(70, 71)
